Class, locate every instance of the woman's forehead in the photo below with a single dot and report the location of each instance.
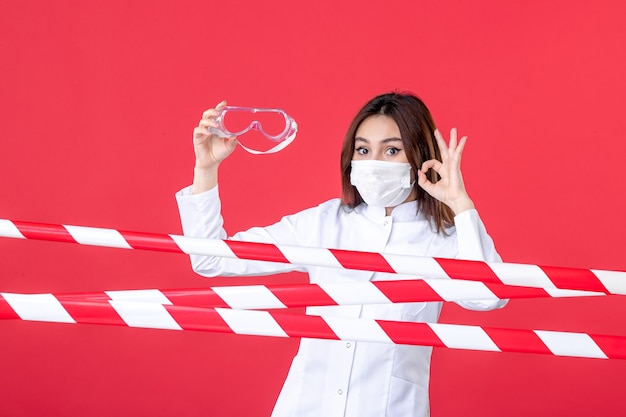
(378, 128)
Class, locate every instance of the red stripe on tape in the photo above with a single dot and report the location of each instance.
(204, 319)
(150, 241)
(410, 333)
(92, 312)
(83, 296)
(505, 291)
(195, 298)
(296, 325)
(573, 278)
(468, 270)
(614, 347)
(365, 261)
(255, 250)
(6, 312)
(514, 340)
(408, 291)
(302, 295)
(41, 231)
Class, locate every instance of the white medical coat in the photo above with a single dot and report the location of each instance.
(331, 378)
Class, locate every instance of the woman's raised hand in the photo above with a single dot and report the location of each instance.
(450, 189)
(210, 150)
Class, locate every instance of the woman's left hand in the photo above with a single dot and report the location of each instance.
(450, 189)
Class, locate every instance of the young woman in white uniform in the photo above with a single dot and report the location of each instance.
(403, 193)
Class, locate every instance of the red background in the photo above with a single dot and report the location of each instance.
(97, 104)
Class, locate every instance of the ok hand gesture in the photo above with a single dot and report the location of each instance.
(450, 189)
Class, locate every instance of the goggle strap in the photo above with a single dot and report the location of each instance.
(279, 147)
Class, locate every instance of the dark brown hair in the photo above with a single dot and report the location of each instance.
(417, 129)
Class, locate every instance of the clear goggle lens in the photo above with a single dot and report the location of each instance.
(272, 124)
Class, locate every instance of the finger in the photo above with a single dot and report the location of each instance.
(210, 113)
(431, 164)
(441, 143)
(221, 105)
(200, 132)
(453, 140)
(461, 146)
(424, 182)
(231, 143)
(206, 123)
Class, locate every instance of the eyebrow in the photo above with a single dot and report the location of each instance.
(387, 140)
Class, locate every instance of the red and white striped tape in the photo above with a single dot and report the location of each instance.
(158, 313)
(324, 294)
(608, 282)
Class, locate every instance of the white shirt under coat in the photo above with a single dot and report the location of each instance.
(341, 378)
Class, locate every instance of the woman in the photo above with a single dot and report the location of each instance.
(403, 193)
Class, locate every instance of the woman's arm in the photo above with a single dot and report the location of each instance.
(473, 241)
(200, 207)
(475, 244)
(201, 217)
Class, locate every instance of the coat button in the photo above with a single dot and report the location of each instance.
(340, 392)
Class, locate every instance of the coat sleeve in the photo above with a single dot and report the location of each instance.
(201, 217)
(475, 244)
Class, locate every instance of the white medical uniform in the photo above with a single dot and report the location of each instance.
(331, 378)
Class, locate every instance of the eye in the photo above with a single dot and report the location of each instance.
(361, 151)
(392, 151)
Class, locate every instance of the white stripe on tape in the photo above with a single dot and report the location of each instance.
(198, 246)
(350, 293)
(521, 274)
(8, 229)
(570, 344)
(145, 315)
(410, 265)
(614, 281)
(557, 292)
(248, 297)
(357, 329)
(97, 236)
(38, 307)
(144, 296)
(251, 322)
(463, 337)
(301, 255)
(456, 290)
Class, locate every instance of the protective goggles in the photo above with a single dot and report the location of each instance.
(273, 124)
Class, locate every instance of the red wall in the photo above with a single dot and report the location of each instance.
(97, 104)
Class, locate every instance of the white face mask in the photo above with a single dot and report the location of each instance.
(382, 183)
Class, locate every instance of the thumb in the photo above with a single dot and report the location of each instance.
(231, 144)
